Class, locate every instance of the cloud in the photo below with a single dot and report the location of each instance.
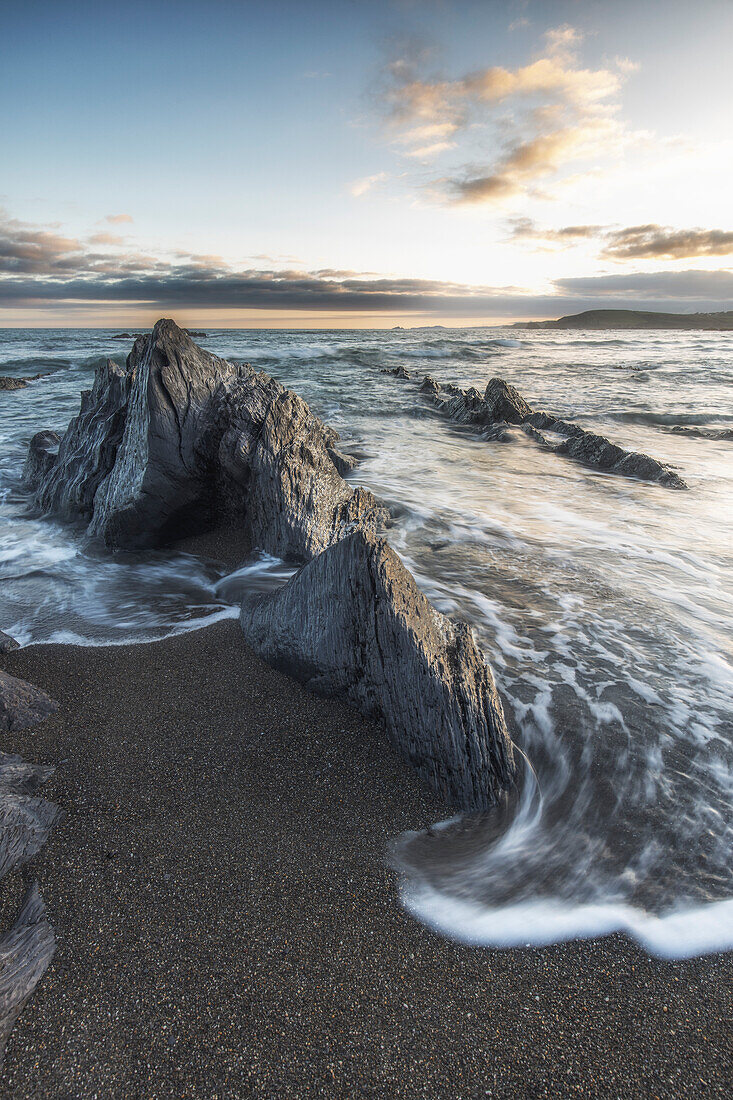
(119, 219)
(634, 242)
(106, 238)
(28, 249)
(709, 286)
(525, 229)
(524, 164)
(360, 187)
(662, 242)
(41, 267)
(535, 121)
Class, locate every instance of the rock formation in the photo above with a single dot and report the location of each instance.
(26, 951)
(182, 441)
(43, 453)
(502, 405)
(353, 623)
(7, 644)
(22, 704)
(27, 947)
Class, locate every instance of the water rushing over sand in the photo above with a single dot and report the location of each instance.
(604, 605)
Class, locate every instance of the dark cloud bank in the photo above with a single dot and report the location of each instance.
(40, 267)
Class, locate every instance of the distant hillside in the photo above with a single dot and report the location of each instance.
(637, 318)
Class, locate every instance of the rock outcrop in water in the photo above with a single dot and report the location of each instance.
(502, 405)
(352, 623)
(182, 441)
(43, 454)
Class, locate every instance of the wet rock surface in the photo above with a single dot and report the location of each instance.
(695, 432)
(353, 624)
(7, 644)
(8, 383)
(43, 453)
(26, 950)
(180, 441)
(26, 820)
(22, 704)
(502, 405)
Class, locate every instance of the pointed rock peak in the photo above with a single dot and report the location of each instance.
(505, 402)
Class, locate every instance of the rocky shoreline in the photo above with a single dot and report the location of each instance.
(501, 408)
(180, 443)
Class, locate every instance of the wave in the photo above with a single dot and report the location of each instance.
(679, 934)
(35, 364)
(672, 418)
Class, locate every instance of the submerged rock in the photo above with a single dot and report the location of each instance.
(353, 623)
(398, 372)
(502, 405)
(181, 441)
(22, 704)
(719, 434)
(7, 383)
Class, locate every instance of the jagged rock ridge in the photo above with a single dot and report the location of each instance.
(502, 406)
(180, 441)
(27, 948)
(353, 623)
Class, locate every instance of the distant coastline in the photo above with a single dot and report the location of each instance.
(637, 319)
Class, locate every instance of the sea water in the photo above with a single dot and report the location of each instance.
(604, 605)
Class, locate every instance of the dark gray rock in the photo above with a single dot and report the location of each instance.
(182, 441)
(719, 434)
(87, 452)
(25, 951)
(7, 644)
(296, 503)
(468, 407)
(160, 482)
(599, 453)
(352, 623)
(505, 403)
(27, 948)
(430, 386)
(22, 704)
(398, 372)
(502, 405)
(25, 819)
(43, 453)
(7, 383)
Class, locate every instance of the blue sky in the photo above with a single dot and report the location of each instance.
(363, 163)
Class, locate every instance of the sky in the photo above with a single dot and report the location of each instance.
(332, 163)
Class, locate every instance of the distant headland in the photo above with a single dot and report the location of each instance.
(636, 318)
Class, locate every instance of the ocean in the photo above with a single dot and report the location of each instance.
(603, 604)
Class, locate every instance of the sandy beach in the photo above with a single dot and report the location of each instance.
(228, 922)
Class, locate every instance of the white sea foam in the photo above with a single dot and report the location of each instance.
(678, 934)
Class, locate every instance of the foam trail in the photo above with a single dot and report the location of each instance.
(676, 935)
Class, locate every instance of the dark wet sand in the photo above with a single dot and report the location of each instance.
(228, 926)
